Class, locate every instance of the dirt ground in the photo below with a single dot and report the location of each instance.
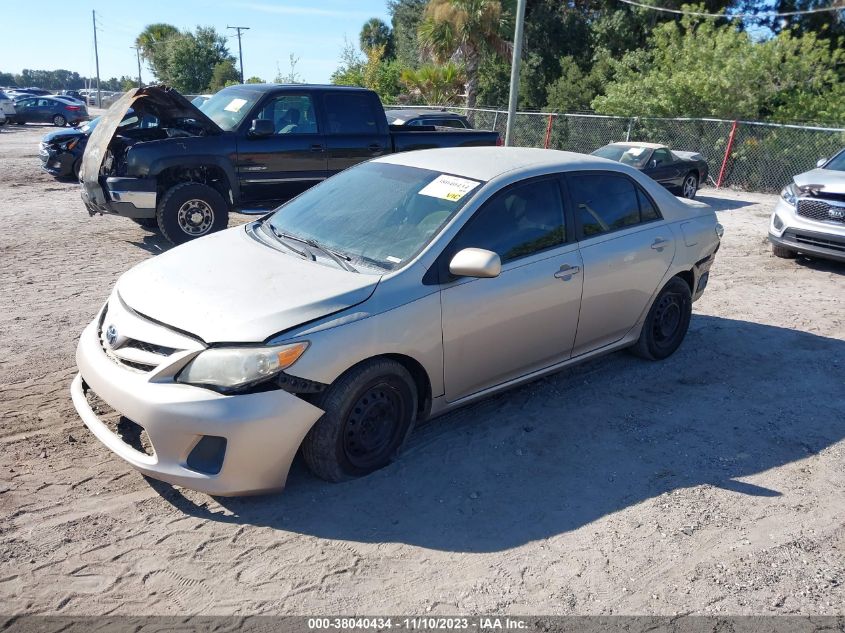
(713, 482)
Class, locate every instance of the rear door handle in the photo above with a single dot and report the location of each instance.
(566, 271)
(375, 147)
(317, 148)
(659, 244)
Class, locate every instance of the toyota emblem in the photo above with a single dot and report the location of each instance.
(111, 335)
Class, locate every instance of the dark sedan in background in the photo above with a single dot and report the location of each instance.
(681, 173)
(49, 110)
(422, 117)
(61, 150)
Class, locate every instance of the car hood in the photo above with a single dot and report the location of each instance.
(228, 287)
(829, 180)
(62, 134)
(161, 101)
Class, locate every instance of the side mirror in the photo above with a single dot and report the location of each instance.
(475, 262)
(820, 162)
(653, 163)
(261, 128)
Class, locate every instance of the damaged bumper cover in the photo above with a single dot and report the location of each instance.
(129, 197)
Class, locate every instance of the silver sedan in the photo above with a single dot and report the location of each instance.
(394, 291)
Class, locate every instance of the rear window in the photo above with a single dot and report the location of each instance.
(608, 202)
(351, 113)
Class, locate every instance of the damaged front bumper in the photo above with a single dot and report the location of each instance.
(129, 197)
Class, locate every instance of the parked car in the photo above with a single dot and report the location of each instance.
(2, 118)
(247, 148)
(680, 172)
(7, 107)
(423, 117)
(49, 110)
(69, 99)
(394, 291)
(809, 218)
(200, 99)
(72, 93)
(61, 151)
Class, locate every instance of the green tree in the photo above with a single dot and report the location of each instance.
(436, 84)
(152, 42)
(788, 76)
(375, 33)
(255, 80)
(464, 29)
(405, 17)
(224, 74)
(192, 58)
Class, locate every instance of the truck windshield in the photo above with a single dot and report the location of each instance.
(228, 107)
(377, 214)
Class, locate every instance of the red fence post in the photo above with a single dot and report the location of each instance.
(548, 132)
(727, 154)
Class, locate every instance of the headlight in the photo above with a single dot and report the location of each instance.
(720, 230)
(235, 367)
(790, 194)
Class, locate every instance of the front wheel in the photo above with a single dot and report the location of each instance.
(190, 210)
(690, 186)
(369, 412)
(59, 121)
(666, 323)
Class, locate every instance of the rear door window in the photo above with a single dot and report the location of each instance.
(351, 113)
(608, 202)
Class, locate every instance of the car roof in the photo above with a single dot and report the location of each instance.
(486, 163)
(406, 113)
(638, 144)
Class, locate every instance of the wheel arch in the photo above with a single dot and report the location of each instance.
(686, 275)
(209, 170)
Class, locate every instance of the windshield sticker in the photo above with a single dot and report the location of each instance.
(235, 105)
(448, 188)
(637, 151)
(393, 260)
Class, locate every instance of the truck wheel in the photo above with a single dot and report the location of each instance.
(190, 210)
(667, 322)
(782, 252)
(369, 411)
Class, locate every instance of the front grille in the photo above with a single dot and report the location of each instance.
(115, 354)
(821, 210)
(148, 347)
(821, 241)
(130, 432)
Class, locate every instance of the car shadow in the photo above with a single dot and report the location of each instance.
(821, 265)
(724, 204)
(737, 399)
(153, 242)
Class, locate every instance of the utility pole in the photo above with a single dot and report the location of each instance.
(96, 57)
(138, 54)
(240, 50)
(517, 55)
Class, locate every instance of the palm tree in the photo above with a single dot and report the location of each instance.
(436, 84)
(376, 33)
(152, 35)
(464, 29)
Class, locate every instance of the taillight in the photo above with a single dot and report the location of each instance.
(499, 141)
(72, 107)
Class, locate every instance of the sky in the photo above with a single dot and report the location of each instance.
(313, 30)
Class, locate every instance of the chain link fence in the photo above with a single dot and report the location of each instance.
(746, 155)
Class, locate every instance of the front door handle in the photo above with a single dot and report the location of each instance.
(375, 147)
(566, 271)
(317, 148)
(659, 244)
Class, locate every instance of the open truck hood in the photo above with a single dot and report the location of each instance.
(161, 101)
(229, 288)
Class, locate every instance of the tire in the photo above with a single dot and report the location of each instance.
(369, 413)
(190, 210)
(689, 186)
(77, 166)
(783, 252)
(147, 223)
(667, 322)
(59, 121)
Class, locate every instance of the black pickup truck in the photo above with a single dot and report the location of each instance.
(248, 148)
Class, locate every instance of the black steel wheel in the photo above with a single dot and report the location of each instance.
(667, 321)
(369, 412)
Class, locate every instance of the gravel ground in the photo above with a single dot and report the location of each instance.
(709, 483)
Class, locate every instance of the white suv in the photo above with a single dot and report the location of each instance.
(7, 109)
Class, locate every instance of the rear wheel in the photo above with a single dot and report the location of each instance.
(59, 121)
(782, 252)
(190, 210)
(666, 323)
(690, 186)
(369, 412)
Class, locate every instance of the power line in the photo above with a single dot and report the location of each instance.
(732, 16)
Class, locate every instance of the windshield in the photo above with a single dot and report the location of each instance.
(228, 107)
(837, 163)
(634, 156)
(377, 214)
